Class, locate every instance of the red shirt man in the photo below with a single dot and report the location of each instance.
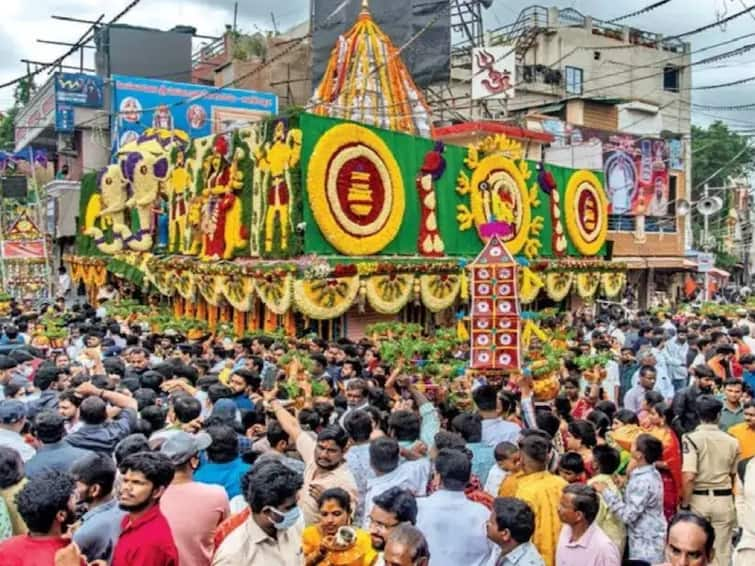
(146, 538)
(46, 504)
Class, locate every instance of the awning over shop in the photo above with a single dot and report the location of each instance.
(720, 273)
(670, 262)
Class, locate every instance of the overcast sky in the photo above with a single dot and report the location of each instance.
(23, 22)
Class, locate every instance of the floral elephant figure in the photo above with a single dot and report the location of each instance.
(107, 210)
(146, 169)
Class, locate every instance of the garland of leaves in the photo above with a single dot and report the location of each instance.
(439, 292)
(587, 285)
(558, 284)
(612, 284)
(325, 299)
(529, 285)
(275, 293)
(388, 294)
(239, 291)
(210, 288)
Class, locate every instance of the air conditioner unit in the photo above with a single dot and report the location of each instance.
(67, 145)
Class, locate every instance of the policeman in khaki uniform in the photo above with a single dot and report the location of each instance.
(709, 470)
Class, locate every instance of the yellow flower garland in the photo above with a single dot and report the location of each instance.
(324, 299)
(331, 152)
(612, 283)
(574, 218)
(587, 285)
(439, 292)
(529, 285)
(558, 284)
(186, 284)
(239, 291)
(211, 288)
(389, 294)
(275, 293)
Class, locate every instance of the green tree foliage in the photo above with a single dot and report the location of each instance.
(718, 154)
(21, 95)
(250, 46)
(717, 147)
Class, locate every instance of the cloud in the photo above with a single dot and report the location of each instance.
(20, 27)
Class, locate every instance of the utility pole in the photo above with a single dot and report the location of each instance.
(706, 224)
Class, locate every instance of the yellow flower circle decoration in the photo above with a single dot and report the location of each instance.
(558, 284)
(587, 284)
(613, 283)
(498, 190)
(355, 190)
(239, 292)
(275, 292)
(586, 212)
(388, 294)
(323, 299)
(439, 292)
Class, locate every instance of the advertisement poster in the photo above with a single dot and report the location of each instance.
(198, 110)
(636, 174)
(78, 89)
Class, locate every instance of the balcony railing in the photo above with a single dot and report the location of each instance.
(653, 224)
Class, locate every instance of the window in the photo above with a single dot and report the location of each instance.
(573, 80)
(671, 78)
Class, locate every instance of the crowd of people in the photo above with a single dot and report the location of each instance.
(132, 448)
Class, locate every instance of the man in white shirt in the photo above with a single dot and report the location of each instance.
(675, 353)
(390, 472)
(453, 525)
(270, 534)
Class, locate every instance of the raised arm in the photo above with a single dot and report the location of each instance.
(120, 400)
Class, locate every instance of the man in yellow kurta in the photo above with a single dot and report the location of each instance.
(541, 490)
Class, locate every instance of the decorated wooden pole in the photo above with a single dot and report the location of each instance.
(495, 310)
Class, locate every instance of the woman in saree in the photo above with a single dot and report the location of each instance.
(333, 541)
(670, 464)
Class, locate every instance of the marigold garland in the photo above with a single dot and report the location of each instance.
(612, 284)
(575, 217)
(587, 285)
(239, 291)
(275, 292)
(327, 298)
(439, 292)
(332, 151)
(186, 284)
(211, 288)
(558, 284)
(529, 285)
(388, 294)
